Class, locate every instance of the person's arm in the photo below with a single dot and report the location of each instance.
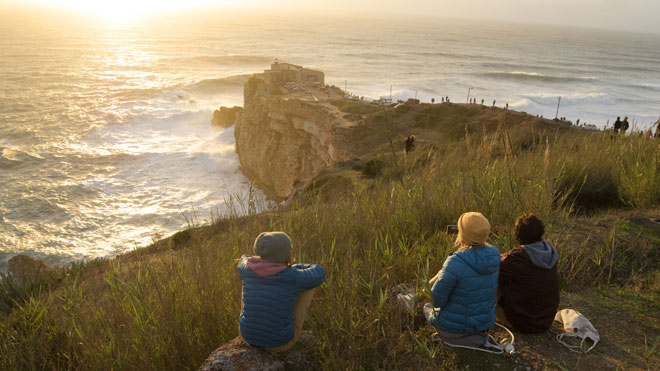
(242, 264)
(435, 278)
(309, 275)
(444, 284)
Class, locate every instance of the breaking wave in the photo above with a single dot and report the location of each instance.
(572, 99)
(215, 86)
(533, 76)
(10, 157)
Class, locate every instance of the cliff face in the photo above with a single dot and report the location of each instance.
(284, 142)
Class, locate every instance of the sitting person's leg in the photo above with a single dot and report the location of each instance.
(299, 313)
(473, 340)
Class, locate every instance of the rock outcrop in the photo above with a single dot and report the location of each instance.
(236, 355)
(225, 116)
(284, 141)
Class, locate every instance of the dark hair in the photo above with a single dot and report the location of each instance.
(528, 229)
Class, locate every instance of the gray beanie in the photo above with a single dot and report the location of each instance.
(273, 246)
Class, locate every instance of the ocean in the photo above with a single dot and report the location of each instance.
(105, 135)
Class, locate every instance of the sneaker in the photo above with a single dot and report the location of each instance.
(406, 296)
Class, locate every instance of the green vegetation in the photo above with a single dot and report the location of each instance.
(354, 107)
(170, 305)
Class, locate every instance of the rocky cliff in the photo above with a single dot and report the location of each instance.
(225, 116)
(284, 141)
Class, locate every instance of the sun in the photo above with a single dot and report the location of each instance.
(124, 11)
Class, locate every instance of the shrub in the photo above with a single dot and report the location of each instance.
(373, 168)
(587, 188)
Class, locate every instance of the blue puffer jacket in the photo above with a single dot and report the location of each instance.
(464, 293)
(269, 297)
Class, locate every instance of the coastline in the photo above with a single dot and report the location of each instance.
(377, 219)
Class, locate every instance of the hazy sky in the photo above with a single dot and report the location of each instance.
(635, 15)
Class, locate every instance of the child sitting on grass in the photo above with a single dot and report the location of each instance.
(463, 292)
(276, 294)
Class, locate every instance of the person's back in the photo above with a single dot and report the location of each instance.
(463, 291)
(410, 143)
(466, 290)
(624, 124)
(529, 283)
(617, 125)
(271, 291)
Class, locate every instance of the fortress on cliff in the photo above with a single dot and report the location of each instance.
(287, 75)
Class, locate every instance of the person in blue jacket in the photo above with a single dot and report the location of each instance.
(276, 294)
(463, 291)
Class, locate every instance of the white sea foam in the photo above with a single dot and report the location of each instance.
(572, 99)
(520, 103)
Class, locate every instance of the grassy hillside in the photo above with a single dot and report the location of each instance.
(372, 227)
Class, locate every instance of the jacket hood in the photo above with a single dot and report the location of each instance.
(265, 268)
(542, 254)
(484, 260)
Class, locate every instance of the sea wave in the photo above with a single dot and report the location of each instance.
(6, 163)
(18, 134)
(453, 55)
(215, 86)
(233, 59)
(654, 87)
(10, 157)
(533, 76)
(571, 99)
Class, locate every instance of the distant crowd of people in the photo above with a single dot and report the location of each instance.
(470, 101)
(620, 126)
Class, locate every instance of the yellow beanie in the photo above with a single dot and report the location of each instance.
(473, 228)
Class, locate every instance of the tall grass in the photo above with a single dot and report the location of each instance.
(168, 306)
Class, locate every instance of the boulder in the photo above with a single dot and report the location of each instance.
(225, 116)
(237, 355)
(23, 267)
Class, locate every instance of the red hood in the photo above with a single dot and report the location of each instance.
(265, 268)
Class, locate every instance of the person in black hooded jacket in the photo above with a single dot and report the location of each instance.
(528, 281)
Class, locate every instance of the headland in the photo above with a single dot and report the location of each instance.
(293, 128)
(374, 216)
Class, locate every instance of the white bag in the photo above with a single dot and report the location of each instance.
(576, 325)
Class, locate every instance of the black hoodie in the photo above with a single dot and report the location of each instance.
(529, 286)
